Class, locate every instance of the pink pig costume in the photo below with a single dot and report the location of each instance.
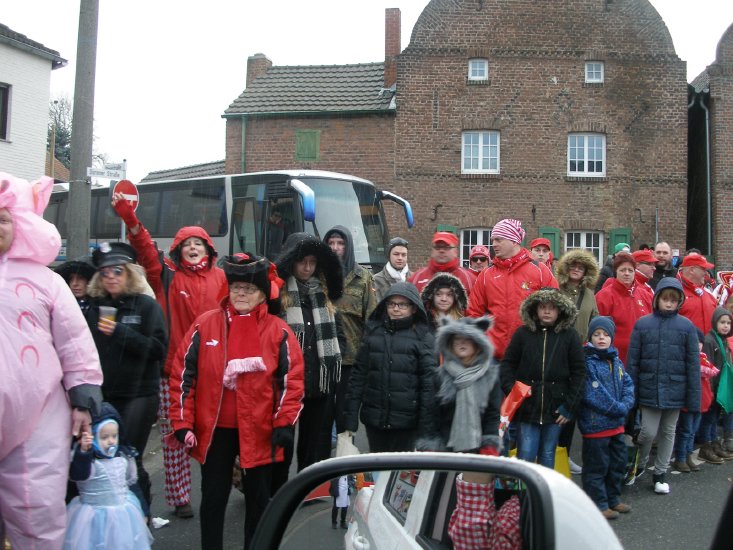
(48, 363)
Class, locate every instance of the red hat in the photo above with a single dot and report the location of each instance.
(644, 257)
(445, 237)
(540, 242)
(479, 250)
(696, 259)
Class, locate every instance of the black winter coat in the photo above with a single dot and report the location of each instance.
(132, 356)
(392, 380)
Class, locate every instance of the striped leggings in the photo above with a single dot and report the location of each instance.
(176, 462)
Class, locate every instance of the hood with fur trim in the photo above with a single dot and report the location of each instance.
(577, 256)
(467, 327)
(528, 309)
(444, 280)
(299, 245)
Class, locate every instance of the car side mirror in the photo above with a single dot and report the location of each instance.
(407, 500)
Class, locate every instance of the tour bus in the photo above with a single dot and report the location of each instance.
(249, 212)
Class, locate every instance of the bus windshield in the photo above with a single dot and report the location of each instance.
(354, 205)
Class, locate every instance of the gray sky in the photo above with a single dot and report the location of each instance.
(167, 70)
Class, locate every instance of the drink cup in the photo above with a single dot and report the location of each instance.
(107, 312)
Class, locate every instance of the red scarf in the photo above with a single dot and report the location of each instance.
(195, 267)
(698, 290)
(509, 263)
(243, 346)
(447, 267)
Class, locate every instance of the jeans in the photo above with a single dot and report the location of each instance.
(661, 422)
(684, 440)
(604, 466)
(727, 422)
(708, 430)
(538, 442)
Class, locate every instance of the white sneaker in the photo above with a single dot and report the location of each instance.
(661, 488)
(574, 468)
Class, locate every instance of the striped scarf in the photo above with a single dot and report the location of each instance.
(327, 346)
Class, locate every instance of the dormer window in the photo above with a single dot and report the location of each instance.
(594, 72)
(478, 69)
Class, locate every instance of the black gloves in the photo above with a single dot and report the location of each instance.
(283, 437)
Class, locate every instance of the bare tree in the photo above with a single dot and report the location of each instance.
(60, 112)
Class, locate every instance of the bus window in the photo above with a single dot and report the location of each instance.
(105, 223)
(244, 234)
(196, 202)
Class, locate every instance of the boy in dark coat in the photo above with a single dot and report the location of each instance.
(392, 379)
(664, 363)
(546, 354)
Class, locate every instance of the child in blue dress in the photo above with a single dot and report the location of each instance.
(106, 514)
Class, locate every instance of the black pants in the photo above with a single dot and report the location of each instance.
(314, 430)
(216, 484)
(138, 416)
(342, 389)
(387, 441)
(566, 435)
(334, 512)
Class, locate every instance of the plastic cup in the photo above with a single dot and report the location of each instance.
(108, 312)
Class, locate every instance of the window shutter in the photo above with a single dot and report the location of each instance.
(552, 234)
(307, 145)
(618, 235)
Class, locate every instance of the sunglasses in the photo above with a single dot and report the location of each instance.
(109, 272)
(479, 259)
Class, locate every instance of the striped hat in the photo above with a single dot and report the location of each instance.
(508, 229)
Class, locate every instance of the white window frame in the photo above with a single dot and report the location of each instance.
(592, 241)
(594, 72)
(483, 157)
(472, 236)
(478, 69)
(584, 149)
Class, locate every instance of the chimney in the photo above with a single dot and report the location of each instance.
(392, 47)
(257, 65)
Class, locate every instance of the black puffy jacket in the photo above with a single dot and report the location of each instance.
(392, 380)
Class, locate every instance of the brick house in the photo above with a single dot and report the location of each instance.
(25, 89)
(710, 162)
(569, 115)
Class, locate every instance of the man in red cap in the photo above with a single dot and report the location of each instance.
(540, 251)
(501, 288)
(699, 302)
(443, 259)
(478, 259)
(646, 263)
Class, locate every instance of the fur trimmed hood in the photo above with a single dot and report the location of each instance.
(528, 309)
(444, 280)
(467, 327)
(577, 256)
(299, 245)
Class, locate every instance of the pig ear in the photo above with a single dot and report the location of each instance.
(7, 197)
(41, 194)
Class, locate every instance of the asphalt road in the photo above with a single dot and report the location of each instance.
(684, 519)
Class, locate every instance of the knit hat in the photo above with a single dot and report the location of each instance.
(479, 250)
(445, 237)
(622, 247)
(113, 254)
(80, 267)
(604, 323)
(623, 258)
(396, 241)
(508, 229)
(540, 241)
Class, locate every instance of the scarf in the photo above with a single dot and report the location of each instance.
(509, 263)
(243, 346)
(195, 267)
(397, 275)
(327, 346)
(698, 290)
(448, 267)
(471, 398)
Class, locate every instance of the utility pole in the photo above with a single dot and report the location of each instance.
(82, 126)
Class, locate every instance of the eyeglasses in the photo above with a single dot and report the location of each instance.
(242, 289)
(399, 305)
(109, 272)
(479, 259)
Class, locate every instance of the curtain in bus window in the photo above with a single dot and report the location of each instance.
(197, 202)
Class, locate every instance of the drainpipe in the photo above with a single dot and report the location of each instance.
(244, 145)
(708, 190)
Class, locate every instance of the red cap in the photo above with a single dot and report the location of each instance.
(479, 250)
(696, 259)
(540, 242)
(644, 257)
(445, 237)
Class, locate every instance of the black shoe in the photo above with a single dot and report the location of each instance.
(343, 525)
(333, 525)
(184, 511)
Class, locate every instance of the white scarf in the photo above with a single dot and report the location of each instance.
(397, 275)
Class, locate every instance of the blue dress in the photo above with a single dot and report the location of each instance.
(106, 514)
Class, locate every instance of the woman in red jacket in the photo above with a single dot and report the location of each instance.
(236, 389)
(623, 301)
(186, 285)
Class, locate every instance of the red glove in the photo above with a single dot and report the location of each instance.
(488, 451)
(124, 210)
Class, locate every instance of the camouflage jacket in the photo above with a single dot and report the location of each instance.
(355, 305)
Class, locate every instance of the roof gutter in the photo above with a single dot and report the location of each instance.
(56, 60)
(389, 110)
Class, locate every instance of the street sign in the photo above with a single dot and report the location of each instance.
(129, 191)
(104, 173)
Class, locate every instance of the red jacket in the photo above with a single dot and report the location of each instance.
(698, 306)
(423, 276)
(183, 294)
(624, 305)
(265, 400)
(500, 290)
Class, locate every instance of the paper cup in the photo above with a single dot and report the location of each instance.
(107, 312)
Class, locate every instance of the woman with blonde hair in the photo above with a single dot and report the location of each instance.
(129, 331)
